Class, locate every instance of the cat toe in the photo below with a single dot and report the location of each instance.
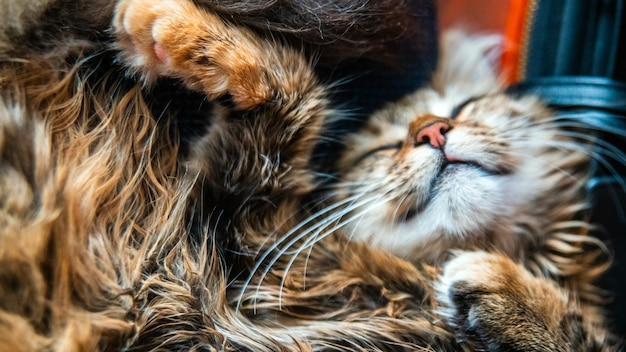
(141, 27)
(176, 38)
(498, 305)
(467, 272)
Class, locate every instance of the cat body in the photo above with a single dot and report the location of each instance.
(114, 240)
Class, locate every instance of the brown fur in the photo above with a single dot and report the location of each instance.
(110, 241)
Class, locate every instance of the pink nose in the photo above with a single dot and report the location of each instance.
(433, 134)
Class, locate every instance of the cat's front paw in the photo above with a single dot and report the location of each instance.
(497, 305)
(176, 38)
(141, 26)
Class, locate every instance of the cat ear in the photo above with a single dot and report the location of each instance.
(468, 64)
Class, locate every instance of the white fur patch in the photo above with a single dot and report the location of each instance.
(468, 267)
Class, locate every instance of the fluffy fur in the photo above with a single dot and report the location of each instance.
(113, 240)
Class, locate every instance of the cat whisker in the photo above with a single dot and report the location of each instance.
(354, 201)
(601, 155)
(334, 217)
(284, 238)
(598, 122)
(602, 146)
(348, 184)
(615, 153)
(597, 149)
(312, 240)
(338, 216)
(323, 200)
(546, 163)
(565, 123)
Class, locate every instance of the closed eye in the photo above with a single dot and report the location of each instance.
(457, 109)
(395, 146)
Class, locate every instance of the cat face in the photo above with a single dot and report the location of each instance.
(419, 172)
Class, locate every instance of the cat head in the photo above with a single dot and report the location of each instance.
(457, 161)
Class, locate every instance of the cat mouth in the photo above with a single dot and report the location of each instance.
(409, 207)
(410, 204)
(449, 167)
(450, 164)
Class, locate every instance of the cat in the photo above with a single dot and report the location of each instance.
(114, 240)
(498, 178)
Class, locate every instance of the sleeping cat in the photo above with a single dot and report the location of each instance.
(112, 242)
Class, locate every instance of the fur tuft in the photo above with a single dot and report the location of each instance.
(467, 65)
(112, 239)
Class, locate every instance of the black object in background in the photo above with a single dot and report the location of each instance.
(575, 60)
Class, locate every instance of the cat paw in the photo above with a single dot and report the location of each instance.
(175, 38)
(497, 305)
(141, 26)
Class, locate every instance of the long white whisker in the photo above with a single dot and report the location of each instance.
(284, 237)
(317, 203)
(592, 121)
(297, 238)
(616, 154)
(358, 214)
(312, 240)
(595, 154)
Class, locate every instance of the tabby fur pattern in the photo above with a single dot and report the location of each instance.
(113, 239)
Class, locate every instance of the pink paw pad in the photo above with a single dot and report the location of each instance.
(161, 53)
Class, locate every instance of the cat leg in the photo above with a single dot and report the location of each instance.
(176, 38)
(272, 105)
(255, 160)
(498, 305)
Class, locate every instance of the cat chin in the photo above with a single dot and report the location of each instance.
(466, 202)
